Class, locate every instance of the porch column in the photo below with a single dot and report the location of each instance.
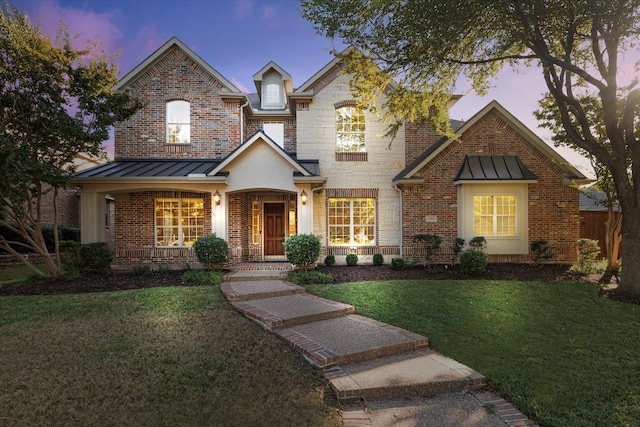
(219, 216)
(92, 216)
(305, 211)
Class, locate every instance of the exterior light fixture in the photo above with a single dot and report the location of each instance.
(303, 197)
(216, 197)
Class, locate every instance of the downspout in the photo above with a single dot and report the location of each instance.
(401, 237)
(242, 121)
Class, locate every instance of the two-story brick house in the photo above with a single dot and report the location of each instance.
(202, 157)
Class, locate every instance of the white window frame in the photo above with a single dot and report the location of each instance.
(180, 224)
(495, 215)
(350, 222)
(496, 244)
(176, 118)
(351, 130)
(272, 91)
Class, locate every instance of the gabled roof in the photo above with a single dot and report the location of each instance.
(286, 77)
(571, 174)
(298, 168)
(227, 86)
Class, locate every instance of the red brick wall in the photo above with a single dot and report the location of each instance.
(418, 138)
(552, 207)
(68, 208)
(134, 230)
(215, 124)
(289, 132)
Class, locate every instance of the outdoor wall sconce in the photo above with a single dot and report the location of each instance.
(216, 197)
(303, 197)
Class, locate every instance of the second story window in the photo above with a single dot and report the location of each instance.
(178, 122)
(350, 127)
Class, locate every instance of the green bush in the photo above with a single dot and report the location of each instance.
(473, 261)
(143, 270)
(457, 247)
(95, 256)
(587, 252)
(302, 250)
(202, 277)
(397, 263)
(478, 242)
(211, 251)
(309, 278)
(542, 252)
(352, 259)
(430, 243)
(330, 260)
(378, 259)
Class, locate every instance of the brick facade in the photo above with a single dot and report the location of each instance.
(309, 134)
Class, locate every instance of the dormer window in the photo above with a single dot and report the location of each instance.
(178, 122)
(272, 91)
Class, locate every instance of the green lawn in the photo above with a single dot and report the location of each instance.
(178, 356)
(17, 274)
(563, 355)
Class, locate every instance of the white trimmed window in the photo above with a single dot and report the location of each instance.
(179, 222)
(178, 122)
(350, 129)
(352, 221)
(272, 91)
(495, 215)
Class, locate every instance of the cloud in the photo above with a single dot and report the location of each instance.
(237, 83)
(242, 9)
(82, 25)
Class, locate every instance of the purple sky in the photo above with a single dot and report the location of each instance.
(239, 37)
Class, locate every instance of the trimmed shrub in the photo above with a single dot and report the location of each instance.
(330, 260)
(397, 263)
(587, 252)
(142, 270)
(302, 250)
(473, 261)
(378, 259)
(352, 259)
(457, 247)
(542, 251)
(95, 256)
(202, 277)
(211, 250)
(478, 242)
(309, 278)
(430, 243)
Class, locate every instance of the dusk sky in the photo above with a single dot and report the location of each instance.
(239, 37)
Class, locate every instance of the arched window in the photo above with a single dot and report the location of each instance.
(178, 122)
(350, 127)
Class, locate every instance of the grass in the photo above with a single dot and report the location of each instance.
(563, 355)
(17, 274)
(154, 357)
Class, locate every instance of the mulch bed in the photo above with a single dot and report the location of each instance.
(118, 281)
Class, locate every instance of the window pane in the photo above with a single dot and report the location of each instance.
(351, 221)
(179, 222)
(350, 129)
(178, 122)
(494, 215)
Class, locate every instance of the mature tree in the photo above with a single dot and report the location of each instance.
(549, 117)
(426, 45)
(55, 103)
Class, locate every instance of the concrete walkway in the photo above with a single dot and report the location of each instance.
(383, 375)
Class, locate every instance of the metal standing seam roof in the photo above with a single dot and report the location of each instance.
(493, 168)
(162, 168)
(159, 168)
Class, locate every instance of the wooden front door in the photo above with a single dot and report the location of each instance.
(275, 227)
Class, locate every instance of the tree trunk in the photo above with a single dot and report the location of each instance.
(630, 277)
(613, 239)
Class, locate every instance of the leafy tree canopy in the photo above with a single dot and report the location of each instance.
(425, 46)
(55, 103)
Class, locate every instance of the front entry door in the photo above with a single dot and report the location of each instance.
(274, 224)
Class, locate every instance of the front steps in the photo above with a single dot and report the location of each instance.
(360, 357)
